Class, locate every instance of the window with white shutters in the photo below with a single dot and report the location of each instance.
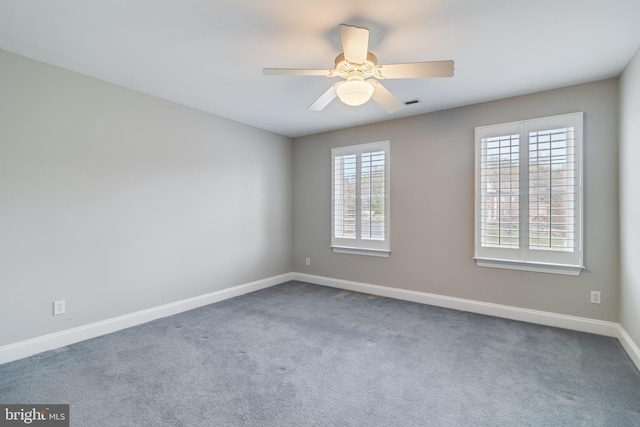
(360, 199)
(529, 195)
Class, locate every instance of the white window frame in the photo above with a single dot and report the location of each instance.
(525, 257)
(358, 245)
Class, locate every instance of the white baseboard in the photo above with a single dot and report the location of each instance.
(582, 324)
(630, 347)
(37, 345)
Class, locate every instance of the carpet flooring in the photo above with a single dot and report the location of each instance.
(298, 354)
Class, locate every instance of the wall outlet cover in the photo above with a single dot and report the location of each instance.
(59, 307)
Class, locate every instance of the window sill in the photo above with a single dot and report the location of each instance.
(361, 251)
(568, 270)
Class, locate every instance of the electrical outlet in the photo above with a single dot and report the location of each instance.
(595, 297)
(58, 307)
(308, 261)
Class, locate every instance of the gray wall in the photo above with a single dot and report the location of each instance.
(117, 201)
(630, 199)
(432, 200)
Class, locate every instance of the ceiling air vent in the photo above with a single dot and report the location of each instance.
(413, 101)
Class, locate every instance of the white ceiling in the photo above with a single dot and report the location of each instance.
(209, 54)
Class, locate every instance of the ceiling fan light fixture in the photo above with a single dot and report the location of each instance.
(355, 92)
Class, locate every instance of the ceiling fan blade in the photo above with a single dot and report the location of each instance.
(325, 98)
(416, 70)
(386, 99)
(293, 72)
(355, 43)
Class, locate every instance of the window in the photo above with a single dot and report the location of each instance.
(360, 199)
(529, 195)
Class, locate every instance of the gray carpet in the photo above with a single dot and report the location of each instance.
(304, 355)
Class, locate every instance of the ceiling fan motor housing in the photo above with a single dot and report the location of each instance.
(346, 69)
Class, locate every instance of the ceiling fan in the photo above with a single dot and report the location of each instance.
(359, 68)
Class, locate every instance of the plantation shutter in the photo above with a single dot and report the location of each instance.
(529, 194)
(498, 192)
(344, 184)
(360, 199)
(372, 195)
(554, 189)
